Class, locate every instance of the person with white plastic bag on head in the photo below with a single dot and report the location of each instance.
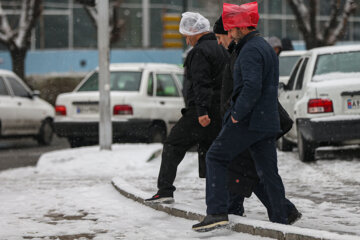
(200, 122)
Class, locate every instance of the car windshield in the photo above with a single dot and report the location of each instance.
(119, 81)
(286, 63)
(337, 66)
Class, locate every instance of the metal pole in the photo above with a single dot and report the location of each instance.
(105, 126)
(145, 23)
(184, 6)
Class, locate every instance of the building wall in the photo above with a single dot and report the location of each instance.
(82, 61)
(64, 39)
(66, 25)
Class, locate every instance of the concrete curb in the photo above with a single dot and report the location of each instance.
(239, 227)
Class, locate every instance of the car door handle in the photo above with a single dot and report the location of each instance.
(19, 103)
(297, 96)
(162, 102)
(287, 97)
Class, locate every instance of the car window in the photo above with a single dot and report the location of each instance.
(300, 79)
(18, 89)
(165, 86)
(119, 81)
(150, 88)
(337, 66)
(286, 63)
(3, 89)
(181, 78)
(291, 82)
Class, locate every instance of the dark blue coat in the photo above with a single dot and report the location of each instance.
(256, 79)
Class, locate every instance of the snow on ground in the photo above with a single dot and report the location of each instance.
(69, 196)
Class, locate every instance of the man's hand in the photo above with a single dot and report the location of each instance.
(233, 120)
(204, 120)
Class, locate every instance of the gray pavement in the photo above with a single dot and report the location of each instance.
(25, 151)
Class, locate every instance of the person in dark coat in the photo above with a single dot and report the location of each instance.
(200, 122)
(252, 121)
(242, 175)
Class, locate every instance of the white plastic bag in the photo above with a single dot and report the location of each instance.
(193, 23)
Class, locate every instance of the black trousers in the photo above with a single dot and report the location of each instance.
(186, 133)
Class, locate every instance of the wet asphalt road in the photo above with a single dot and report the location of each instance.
(26, 151)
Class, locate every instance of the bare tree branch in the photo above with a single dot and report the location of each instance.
(339, 31)
(92, 12)
(333, 30)
(302, 15)
(331, 24)
(5, 29)
(116, 25)
(312, 17)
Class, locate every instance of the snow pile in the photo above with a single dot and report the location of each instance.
(69, 195)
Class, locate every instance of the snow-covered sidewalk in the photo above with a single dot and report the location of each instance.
(69, 194)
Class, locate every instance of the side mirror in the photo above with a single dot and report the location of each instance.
(36, 93)
(282, 86)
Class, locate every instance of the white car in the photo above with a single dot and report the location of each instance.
(323, 98)
(145, 99)
(22, 112)
(287, 60)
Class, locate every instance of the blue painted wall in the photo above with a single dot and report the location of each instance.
(81, 61)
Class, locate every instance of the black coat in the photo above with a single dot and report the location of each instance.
(204, 66)
(227, 82)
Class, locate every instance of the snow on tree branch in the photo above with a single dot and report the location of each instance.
(302, 15)
(339, 31)
(334, 28)
(116, 25)
(5, 30)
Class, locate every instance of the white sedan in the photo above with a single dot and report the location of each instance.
(22, 112)
(145, 100)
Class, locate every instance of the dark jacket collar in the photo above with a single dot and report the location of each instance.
(231, 46)
(244, 40)
(208, 36)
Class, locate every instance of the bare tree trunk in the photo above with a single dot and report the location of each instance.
(18, 39)
(18, 61)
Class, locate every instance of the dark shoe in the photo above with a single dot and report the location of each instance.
(294, 216)
(238, 213)
(211, 222)
(161, 198)
(236, 209)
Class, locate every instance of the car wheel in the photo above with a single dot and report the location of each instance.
(157, 134)
(46, 133)
(284, 145)
(306, 149)
(76, 142)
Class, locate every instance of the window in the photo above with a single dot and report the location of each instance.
(119, 81)
(286, 64)
(275, 6)
(337, 65)
(291, 82)
(85, 35)
(18, 89)
(150, 88)
(181, 78)
(166, 86)
(300, 78)
(275, 27)
(3, 89)
(52, 31)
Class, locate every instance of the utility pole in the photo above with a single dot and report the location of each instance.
(145, 23)
(105, 125)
